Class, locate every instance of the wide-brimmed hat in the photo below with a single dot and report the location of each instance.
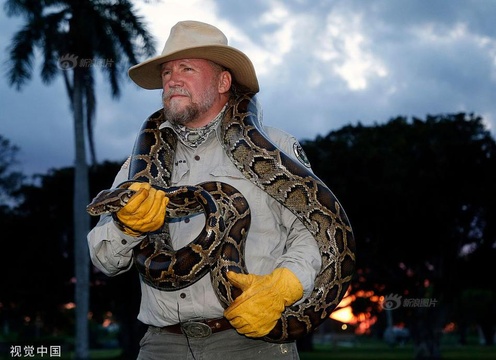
(196, 40)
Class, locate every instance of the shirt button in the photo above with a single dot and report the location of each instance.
(123, 241)
(197, 157)
(182, 295)
(186, 220)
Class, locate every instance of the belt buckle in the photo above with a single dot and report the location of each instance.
(196, 329)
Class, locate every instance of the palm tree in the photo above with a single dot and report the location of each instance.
(75, 38)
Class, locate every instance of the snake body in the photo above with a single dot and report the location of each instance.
(283, 178)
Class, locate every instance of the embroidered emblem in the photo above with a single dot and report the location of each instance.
(300, 154)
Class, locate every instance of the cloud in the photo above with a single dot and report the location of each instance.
(321, 65)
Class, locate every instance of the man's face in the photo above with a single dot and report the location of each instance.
(190, 88)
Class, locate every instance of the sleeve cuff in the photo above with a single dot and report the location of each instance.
(126, 243)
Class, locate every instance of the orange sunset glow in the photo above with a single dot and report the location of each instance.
(362, 321)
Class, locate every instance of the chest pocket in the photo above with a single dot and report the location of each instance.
(232, 176)
(180, 172)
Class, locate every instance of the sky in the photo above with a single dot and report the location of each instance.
(321, 65)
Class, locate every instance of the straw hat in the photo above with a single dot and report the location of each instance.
(196, 40)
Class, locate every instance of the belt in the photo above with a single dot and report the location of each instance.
(198, 328)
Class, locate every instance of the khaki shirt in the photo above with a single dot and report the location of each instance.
(276, 237)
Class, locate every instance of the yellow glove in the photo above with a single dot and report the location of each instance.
(145, 211)
(255, 312)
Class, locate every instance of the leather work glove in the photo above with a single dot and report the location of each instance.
(255, 312)
(145, 211)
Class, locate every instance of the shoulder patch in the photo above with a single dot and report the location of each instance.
(300, 154)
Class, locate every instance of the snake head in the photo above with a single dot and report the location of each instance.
(109, 201)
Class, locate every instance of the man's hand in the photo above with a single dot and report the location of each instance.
(255, 312)
(145, 211)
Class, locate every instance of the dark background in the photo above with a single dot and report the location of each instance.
(420, 195)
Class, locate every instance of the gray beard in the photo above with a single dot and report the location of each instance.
(192, 112)
(188, 115)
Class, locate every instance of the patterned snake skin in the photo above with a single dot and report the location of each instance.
(220, 246)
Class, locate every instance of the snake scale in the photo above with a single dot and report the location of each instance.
(219, 247)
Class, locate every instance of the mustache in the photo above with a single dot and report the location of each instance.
(172, 92)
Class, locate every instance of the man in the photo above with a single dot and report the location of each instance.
(199, 73)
